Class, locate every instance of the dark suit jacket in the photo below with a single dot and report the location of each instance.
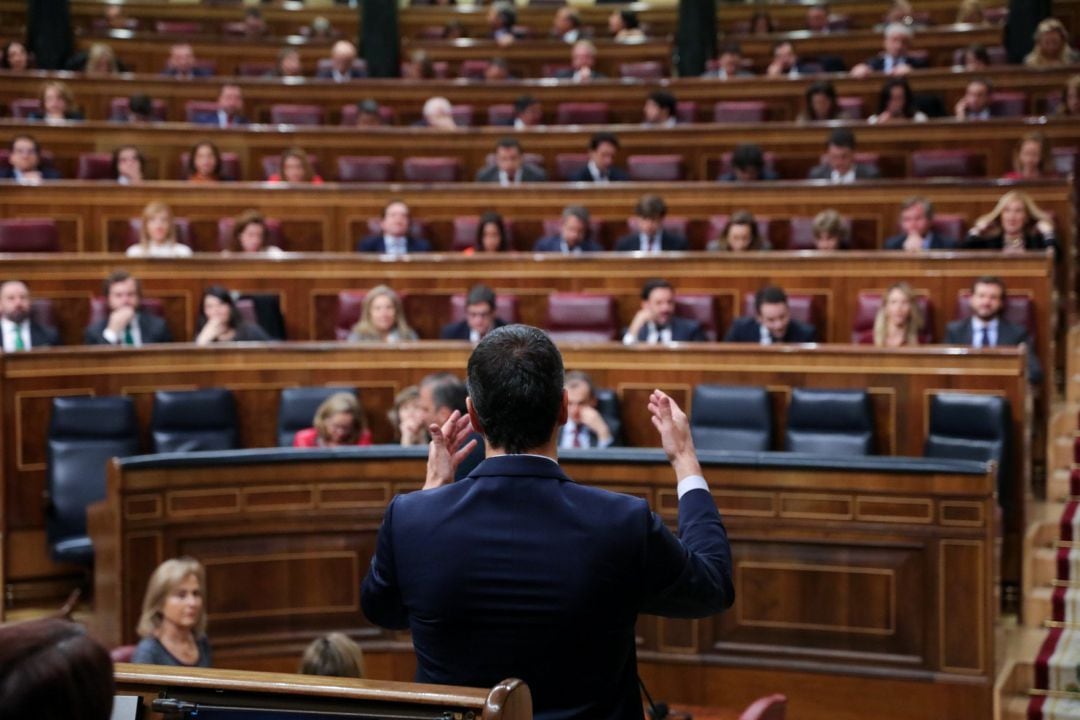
(529, 173)
(553, 243)
(766, 174)
(568, 74)
(71, 115)
(616, 174)
(937, 242)
(517, 571)
(862, 172)
(1033, 240)
(877, 63)
(195, 72)
(960, 332)
(375, 244)
(328, 73)
(43, 336)
(682, 330)
(668, 241)
(460, 330)
(747, 329)
(152, 328)
(47, 173)
(210, 117)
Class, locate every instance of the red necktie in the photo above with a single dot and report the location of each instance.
(577, 436)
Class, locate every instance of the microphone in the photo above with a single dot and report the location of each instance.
(660, 710)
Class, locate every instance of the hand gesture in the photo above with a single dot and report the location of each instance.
(445, 452)
(592, 419)
(961, 109)
(1046, 227)
(913, 243)
(640, 318)
(120, 318)
(674, 428)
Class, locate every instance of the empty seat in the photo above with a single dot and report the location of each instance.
(94, 166)
(183, 231)
(431, 169)
(582, 113)
(23, 108)
(725, 417)
(364, 168)
(1019, 310)
(293, 114)
(580, 317)
(801, 233)
(567, 165)
(192, 420)
(701, 308)
(686, 111)
(349, 114)
(947, 163)
(740, 111)
(829, 422)
(656, 168)
(1008, 104)
(1064, 159)
(273, 233)
(462, 114)
(230, 165)
(297, 407)
(645, 70)
(327, 65)
(29, 235)
(500, 114)
(473, 69)
(256, 69)
(971, 426)
(84, 433)
(852, 107)
(350, 305)
(120, 109)
(506, 308)
(867, 304)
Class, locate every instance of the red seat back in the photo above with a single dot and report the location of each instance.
(582, 318)
(646, 70)
(947, 163)
(1008, 104)
(686, 111)
(431, 169)
(701, 308)
(350, 305)
(292, 114)
(656, 168)
(22, 108)
(195, 109)
(255, 69)
(852, 107)
(95, 166)
(582, 113)
(569, 164)
(740, 111)
(462, 114)
(29, 235)
(500, 114)
(178, 27)
(349, 113)
(365, 168)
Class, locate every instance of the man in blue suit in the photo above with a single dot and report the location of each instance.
(574, 234)
(771, 322)
(394, 238)
(656, 321)
(517, 571)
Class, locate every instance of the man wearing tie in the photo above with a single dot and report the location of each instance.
(771, 322)
(656, 321)
(230, 107)
(585, 427)
(510, 167)
(651, 236)
(987, 328)
(394, 238)
(603, 147)
(20, 332)
(126, 325)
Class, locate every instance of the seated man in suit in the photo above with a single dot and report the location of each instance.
(479, 319)
(539, 577)
(840, 167)
(728, 63)
(975, 104)
(895, 57)
(442, 395)
(916, 218)
(601, 168)
(230, 108)
(20, 331)
(510, 168)
(394, 238)
(748, 165)
(342, 57)
(585, 427)
(785, 62)
(656, 321)
(181, 63)
(25, 162)
(527, 112)
(582, 62)
(574, 234)
(771, 323)
(660, 110)
(126, 324)
(988, 328)
(651, 236)
(566, 25)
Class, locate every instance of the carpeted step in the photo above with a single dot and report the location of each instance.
(1042, 707)
(1067, 565)
(1070, 522)
(1057, 664)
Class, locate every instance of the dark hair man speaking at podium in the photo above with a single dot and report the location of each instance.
(517, 571)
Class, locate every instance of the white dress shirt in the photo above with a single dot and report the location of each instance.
(136, 334)
(11, 329)
(847, 178)
(395, 245)
(766, 336)
(977, 326)
(653, 335)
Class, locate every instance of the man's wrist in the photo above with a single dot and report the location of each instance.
(686, 467)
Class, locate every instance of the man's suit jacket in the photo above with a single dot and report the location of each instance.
(328, 73)
(747, 330)
(460, 330)
(517, 571)
(43, 335)
(211, 118)
(47, 173)
(877, 63)
(862, 172)
(529, 173)
(668, 241)
(553, 243)
(197, 71)
(682, 330)
(961, 332)
(615, 174)
(937, 242)
(376, 244)
(568, 74)
(152, 328)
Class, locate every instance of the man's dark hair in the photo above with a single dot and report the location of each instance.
(395, 201)
(507, 16)
(24, 136)
(600, 138)
(984, 81)
(665, 100)
(119, 276)
(842, 137)
(769, 294)
(980, 52)
(630, 19)
(369, 106)
(447, 391)
(516, 385)
(927, 206)
(140, 104)
(523, 103)
(651, 207)
(747, 156)
(991, 280)
(480, 293)
(654, 284)
(581, 213)
(732, 47)
(508, 142)
(574, 377)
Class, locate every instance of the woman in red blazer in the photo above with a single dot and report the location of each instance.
(339, 422)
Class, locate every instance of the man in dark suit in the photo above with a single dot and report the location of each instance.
(510, 167)
(394, 238)
(20, 332)
(582, 64)
(656, 321)
(748, 165)
(916, 218)
(651, 236)
(479, 319)
(342, 68)
(442, 395)
(126, 324)
(601, 168)
(517, 571)
(585, 427)
(230, 109)
(25, 162)
(895, 58)
(771, 323)
(987, 328)
(840, 167)
(574, 234)
(181, 63)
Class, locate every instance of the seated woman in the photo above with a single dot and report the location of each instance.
(382, 319)
(1031, 158)
(101, 60)
(250, 235)
(157, 234)
(407, 417)
(1070, 98)
(333, 655)
(739, 235)
(1015, 224)
(896, 103)
(204, 163)
(1052, 48)
(128, 165)
(898, 321)
(57, 103)
(339, 422)
(491, 235)
(295, 168)
(15, 57)
(173, 620)
(220, 321)
(821, 103)
(830, 231)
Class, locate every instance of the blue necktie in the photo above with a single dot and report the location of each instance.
(985, 339)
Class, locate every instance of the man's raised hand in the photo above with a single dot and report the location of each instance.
(445, 451)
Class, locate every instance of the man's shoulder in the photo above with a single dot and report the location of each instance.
(455, 330)
(489, 173)
(956, 328)
(896, 242)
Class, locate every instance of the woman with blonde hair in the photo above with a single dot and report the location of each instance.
(157, 234)
(382, 318)
(333, 655)
(898, 321)
(173, 621)
(339, 422)
(1015, 224)
(57, 103)
(1051, 46)
(101, 60)
(1031, 158)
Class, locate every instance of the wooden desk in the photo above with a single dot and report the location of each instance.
(871, 573)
